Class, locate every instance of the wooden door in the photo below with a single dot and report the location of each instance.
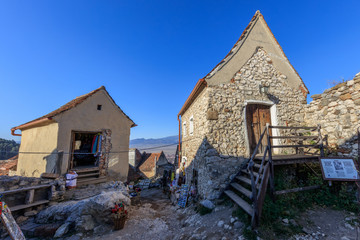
(257, 116)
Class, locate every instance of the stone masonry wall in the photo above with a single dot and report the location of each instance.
(337, 110)
(219, 145)
(228, 133)
(15, 182)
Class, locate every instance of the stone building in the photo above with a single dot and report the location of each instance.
(90, 132)
(337, 110)
(223, 117)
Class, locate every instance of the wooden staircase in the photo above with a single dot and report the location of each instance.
(89, 176)
(248, 188)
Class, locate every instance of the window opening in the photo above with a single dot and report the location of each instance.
(184, 129)
(99, 107)
(191, 127)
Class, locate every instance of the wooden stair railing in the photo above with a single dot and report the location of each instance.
(256, 175)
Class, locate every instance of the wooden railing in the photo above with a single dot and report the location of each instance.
(301, 130)
(259, 181)
(259, 184)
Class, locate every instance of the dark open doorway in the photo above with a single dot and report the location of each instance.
(257, 116)
(85, 149)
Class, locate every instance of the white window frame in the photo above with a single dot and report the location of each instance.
(184, 129)
(191, 126)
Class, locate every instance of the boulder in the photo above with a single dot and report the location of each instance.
(62, 230)
(207, 203)
(87, 213)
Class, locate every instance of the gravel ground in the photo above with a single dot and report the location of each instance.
(155, 218)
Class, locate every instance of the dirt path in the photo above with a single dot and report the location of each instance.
(329, 224)
(155, 218)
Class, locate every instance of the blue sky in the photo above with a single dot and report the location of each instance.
(150, 54)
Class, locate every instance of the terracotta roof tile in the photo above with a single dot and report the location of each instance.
(6, 165)
(148, 162)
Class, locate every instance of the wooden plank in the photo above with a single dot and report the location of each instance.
(286, 127)
(9, 223)
(30, 196)
(262, 191)
(291, 146)
(88, 175)
(239, 201)
(299, 189)
(294, 137)
(244, 179)
(241, 189)
(83, 170)
(23, 206)
(248, 173)
(25, 189)
(91, 181)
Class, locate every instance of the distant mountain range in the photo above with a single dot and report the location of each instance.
(157, 145)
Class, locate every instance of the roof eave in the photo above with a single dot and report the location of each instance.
(200, 85)
(30, 124)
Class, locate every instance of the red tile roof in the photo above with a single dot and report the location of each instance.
(70, 105)
(6, 165)
(148, 162)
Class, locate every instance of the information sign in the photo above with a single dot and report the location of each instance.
(339, 169)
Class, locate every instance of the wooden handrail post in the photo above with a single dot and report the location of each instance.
(321, 144)
(272, 184)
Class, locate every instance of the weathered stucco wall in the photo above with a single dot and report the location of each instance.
(86, 117)
(219, 146)
(337, 110)
(32, 164)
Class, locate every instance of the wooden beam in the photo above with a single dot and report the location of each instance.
(299, 189)
(285, 127)
(294, 137)
(290, 146)
(25, 189)
(30, 196)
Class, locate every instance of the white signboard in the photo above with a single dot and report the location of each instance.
(340, 169)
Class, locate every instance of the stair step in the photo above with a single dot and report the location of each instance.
(248, 172)
(85, 170)
(241, 189)
(246, 180)
(86, 181)
(239, 201)
(257, 165)
(88, 175)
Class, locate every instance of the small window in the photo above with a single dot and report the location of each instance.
(184, 129)
(99, 107)
(191, 127)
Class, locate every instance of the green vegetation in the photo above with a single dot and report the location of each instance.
(8, 149)
(339, 196)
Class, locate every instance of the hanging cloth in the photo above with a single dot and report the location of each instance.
(95, 144)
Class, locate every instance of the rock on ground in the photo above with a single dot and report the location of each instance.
(87, 213)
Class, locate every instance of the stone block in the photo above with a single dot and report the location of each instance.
(345, 96)
(212, 115)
